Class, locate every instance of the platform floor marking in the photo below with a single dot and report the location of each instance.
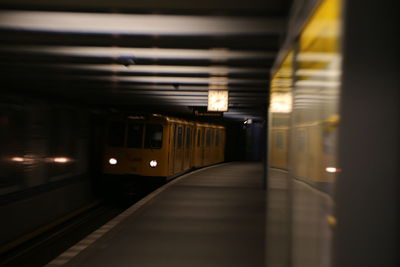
(73, 251)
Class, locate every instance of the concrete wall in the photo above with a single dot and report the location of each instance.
(44, 163)
(28, 214)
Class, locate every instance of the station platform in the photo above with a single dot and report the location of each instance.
(210, 217)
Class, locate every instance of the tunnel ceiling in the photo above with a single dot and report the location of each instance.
(152, 55)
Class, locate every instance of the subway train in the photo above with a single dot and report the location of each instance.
(159, 148)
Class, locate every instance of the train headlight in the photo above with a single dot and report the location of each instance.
(112, 161)
(61, 160)
(332, 169)
(18, 159)
(153, 163)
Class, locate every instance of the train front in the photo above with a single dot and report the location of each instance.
(135, 147)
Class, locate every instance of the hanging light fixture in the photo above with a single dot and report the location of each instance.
(217, 100)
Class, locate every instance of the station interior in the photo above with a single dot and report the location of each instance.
(286, 114)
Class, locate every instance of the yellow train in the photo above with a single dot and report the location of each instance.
(160, 147)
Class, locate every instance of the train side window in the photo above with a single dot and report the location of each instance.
(153, 137)
(135, 135)
(180, 137)
(188, 137)
(116, 133)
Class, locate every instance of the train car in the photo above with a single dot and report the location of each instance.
(156, 146)
(209, 146)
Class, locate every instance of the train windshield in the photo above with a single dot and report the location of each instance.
(135, 135)
(116, 133)
(153, 137)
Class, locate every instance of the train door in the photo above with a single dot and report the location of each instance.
(171, 157)
(211, 148)
(184, 130)
(203, 146)
(221, 144)
(187, 149)
(196, 148)
(193, 148)
(197, 156)
(223, 141)
(178, 159)
(192, 144)
(217, 145)
(206, 145)
(176, 150)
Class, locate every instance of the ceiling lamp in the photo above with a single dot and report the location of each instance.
(217, 100)
(281, 102)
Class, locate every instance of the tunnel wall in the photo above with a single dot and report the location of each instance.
(43, 161)
(235, 146)
(255, 141)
